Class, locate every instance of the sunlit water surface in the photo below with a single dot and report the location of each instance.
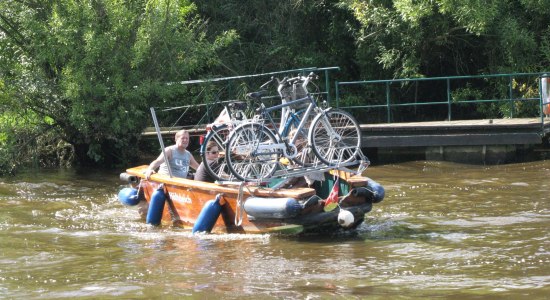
(443, 231)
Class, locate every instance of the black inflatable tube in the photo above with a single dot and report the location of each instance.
(128, 178)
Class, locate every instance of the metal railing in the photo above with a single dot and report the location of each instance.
(227, 89)
(453, 93)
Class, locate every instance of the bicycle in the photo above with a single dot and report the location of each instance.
(291, 89)
(253, 151)
(232, 115)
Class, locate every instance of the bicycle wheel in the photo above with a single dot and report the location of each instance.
(218, 169)
(335, 137)
(304, 157)
(249, 152)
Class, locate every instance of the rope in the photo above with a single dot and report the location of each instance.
(239, 210)
(139, 188)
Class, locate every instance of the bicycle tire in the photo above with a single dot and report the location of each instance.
(218, 170)
(242, 156)
(345, 146)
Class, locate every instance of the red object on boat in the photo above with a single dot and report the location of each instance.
(333, 196)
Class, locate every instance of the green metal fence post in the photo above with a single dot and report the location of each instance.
(337, 93)
(388, 100)
(510, 96)
(327, 84)
(543, 95)
(449, 98)
(540, 103)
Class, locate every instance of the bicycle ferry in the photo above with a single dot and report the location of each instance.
(260, 177)
(226, 208)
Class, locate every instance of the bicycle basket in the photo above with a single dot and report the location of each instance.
(294, 92)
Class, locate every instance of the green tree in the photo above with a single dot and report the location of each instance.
(406, 38)
(89, 69)
(428, 38)
(282, 35)
(81, 74)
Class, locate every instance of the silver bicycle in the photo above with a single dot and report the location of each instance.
(218, 132)
(255, 149)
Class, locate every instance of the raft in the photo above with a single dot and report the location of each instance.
(244, 208)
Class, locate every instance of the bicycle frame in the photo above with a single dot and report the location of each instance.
(283, 93)
(265, 111)
(289, 119)
(255, 148)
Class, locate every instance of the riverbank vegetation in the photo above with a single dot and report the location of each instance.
(77, 77)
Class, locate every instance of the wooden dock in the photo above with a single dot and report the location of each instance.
(519, 131)
(516, 131)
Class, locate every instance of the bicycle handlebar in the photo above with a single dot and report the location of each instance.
(262, 91)
(286, 81)
(304, 79)
(263, 86)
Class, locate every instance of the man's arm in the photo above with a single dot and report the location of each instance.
(156, 163)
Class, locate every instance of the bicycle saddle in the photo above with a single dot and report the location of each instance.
(256, 95)
(239, 105)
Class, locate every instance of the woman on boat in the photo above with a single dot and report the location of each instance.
(212, 154)
(178, 157)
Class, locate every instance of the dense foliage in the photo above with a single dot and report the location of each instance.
(85, 72)
(77, 76)
(453, 37)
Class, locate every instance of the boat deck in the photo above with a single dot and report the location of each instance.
(296, 193)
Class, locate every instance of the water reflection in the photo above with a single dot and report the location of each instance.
(444, 230)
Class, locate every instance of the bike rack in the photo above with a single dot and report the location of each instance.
(286, 173)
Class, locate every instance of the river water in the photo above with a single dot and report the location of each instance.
(444, 230)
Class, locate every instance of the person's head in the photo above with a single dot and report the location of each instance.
(212, 150)
(182, 138)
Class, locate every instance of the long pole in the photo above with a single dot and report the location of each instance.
(171, 208)
(159, 135)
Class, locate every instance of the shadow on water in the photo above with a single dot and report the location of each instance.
(376, 230)
(368, 230)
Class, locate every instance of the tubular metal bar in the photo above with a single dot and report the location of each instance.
(159, 135)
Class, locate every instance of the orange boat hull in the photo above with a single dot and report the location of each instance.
(186, 198)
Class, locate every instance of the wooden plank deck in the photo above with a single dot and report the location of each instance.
(454, 133)
(461, 124)
(515, 131)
